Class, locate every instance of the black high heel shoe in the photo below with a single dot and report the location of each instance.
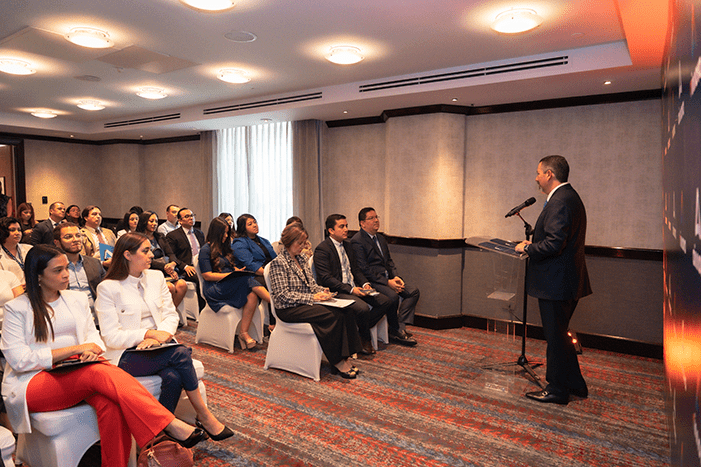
(350, 374)
(225, 433)
(195, 437)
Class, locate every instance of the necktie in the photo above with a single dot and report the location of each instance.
(377, 242)
(195, 244)
(345, 267)
(101, 237)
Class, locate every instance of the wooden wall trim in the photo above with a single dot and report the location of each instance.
(106, 142)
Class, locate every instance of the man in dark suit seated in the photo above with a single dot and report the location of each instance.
(337, 269)
(558, 277)
(376, 264)
(86, 272)
(43, 232)
(186, 242)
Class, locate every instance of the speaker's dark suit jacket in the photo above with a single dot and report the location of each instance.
(181, 247)
(328, 267)
(557, 270)
(43, 233)
(373, 264)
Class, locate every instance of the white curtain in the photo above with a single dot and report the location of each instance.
(254, 174)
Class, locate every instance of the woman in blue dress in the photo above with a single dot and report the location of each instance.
(225, 284)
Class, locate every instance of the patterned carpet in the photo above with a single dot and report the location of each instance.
(433, 405)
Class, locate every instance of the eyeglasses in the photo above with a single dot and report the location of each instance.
(188, 216)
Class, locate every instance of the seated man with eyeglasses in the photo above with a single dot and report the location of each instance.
(186, 242)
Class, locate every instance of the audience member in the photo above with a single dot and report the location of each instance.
(93, 234)
(376, 263)
(10, 287)
(13, 253)
(49, 324)
(26, 220)
(252, 253)
(337, 269)
(123, 224)
(136, 314)
(130, 221)
(86, 272)
(229, 220)
(223, 285)
(162, 255)
(278, 246)
(171, 222)
(185, 241)
(43, 232)
(73, 215)
(295, 295)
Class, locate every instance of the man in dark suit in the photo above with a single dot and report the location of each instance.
(186, 241)
(86, 272)
(376, 264)
(43, 232)
(337, 269)
(557, 277)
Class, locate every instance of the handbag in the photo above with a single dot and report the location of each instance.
(161, 451)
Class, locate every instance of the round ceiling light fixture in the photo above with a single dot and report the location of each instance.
(149, 92)
(210, 5)
(516, 20)
(44, 114)
(232, 75)
(344, 55)
(90, 105)
(90, 37)
(15, 67)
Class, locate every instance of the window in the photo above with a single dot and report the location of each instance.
(254, 174)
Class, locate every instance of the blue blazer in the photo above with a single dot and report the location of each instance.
(249, 255)
(556, 266)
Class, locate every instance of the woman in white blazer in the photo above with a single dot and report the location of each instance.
(49, 324)
(136, 311)
(13, 252)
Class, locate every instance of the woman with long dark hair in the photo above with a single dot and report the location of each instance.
(73, 215)
(49, 324)
(136, 312)
(12, 252)
(162, 255)
(25, 215)
(222, 286)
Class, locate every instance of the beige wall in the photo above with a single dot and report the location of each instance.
(450, 176)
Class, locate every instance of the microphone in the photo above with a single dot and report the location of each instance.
(518, 208)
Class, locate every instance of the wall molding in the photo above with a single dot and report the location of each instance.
(106, 142)
(612, 98)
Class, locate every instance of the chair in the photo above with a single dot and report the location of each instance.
(379, 332)
(61, 438)
(293, 346)
(219, 329)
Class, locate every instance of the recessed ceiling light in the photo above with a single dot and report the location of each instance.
(90, 105)
(516, 20)
(210, 5)
(344, 55)
(149, 92)
(606, 83)
(345, 111)
(241, 36)
(90, 37)
(231, 75)
(44, 114)
(266, 120)
(15, 67)
(454, 99)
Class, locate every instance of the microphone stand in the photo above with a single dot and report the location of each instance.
(522, 360)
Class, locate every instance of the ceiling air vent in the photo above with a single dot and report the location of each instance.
(266, 103)
(468, 73)
(141, 121)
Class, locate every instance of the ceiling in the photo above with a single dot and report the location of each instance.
(166, 44)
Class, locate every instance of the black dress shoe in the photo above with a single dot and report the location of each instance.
(548, 397)
(350, 374)
(402, 338)
(225, 433)
(581, 393)
(196, 436)
(409, 334)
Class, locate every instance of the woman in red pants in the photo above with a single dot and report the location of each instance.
(49, 324)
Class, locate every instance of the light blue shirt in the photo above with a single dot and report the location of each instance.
(79, 279)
